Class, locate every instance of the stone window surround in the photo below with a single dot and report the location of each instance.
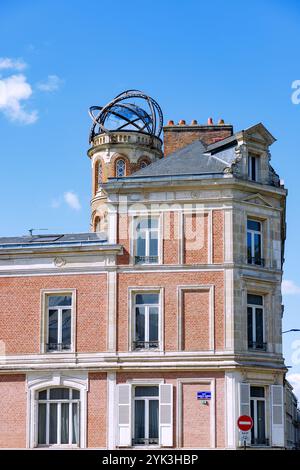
(39, 381)
(132, 291)
(44, 319)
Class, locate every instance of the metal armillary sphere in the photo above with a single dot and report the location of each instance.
(132, 110)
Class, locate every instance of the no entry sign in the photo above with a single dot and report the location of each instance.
(245, 423)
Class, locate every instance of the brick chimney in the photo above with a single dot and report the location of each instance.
(177, 136)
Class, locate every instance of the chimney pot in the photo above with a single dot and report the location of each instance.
(210, 121)
(171, 123)
(182, 122)
(221, 122)
(194, 122)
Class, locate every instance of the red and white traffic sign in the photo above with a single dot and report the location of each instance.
(245, 423)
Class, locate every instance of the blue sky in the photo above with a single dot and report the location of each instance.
(232, 59)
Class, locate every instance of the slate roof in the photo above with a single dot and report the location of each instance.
(53, 239)
(194, 159)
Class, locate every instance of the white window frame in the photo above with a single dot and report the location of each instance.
(146, 399)
(59, 402)
(253, 233)
(254, 307)
(45, 319)
(252, 157)
(37, 382)
(255, 424)
(132, 292)
(147, 319)
(136, 220)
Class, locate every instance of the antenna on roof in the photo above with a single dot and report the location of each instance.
(34, 229)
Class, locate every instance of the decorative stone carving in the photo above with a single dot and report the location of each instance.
(59, 262)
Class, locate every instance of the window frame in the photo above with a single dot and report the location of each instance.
(264, 399)
(145, 399)
(59, 402)
(253, 233)
(147, 307)
(136, 220)
(254, 307)
(45, 294)
(132, 292)
(116, 167)
(253, 158)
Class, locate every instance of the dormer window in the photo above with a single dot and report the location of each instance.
(120, 168)
(253, 167)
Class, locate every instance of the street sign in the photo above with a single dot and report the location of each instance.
(203, 395)
(245, 423)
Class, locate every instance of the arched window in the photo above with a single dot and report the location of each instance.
(120, 168)
(58, 416)
(99, 174)
(144, 163)
(97, 224)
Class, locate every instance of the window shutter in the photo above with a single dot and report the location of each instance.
(277, 415)
(166, 415)
(124, 414)
(245, 405)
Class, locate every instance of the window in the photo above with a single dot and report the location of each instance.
(120, 168)
(253, 162)
(58, 416)
(144, 163)
(146, 321)
(258, 414)
(146, 240)
(255, 322)
(254, 242)
(99, 174)
(146, 406)
(59, 313)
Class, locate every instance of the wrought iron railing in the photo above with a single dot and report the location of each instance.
(257, 345)
(260, 442)
(58, 346)
(146, 259)
(257, 260)
(145, 344)
(145, 442)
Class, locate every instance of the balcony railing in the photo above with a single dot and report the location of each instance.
(260, 442)
(145, 344)
(257, 260)
(257, 345)
(145, 442)
(58, 347)
(146, 259)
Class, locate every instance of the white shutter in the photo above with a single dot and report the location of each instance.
(277, 415)
(124, 414)
(166, 415)
(245, 406)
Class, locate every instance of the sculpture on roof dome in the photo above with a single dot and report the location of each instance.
(132, 110)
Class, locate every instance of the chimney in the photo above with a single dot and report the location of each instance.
(177, 136)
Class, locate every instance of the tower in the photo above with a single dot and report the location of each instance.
(125, 137)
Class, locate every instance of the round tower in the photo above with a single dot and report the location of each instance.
(125, 137)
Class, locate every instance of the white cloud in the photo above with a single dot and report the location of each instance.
(14, 90)
(294, 380)
(72, 200)
(7, 63)
(52, 83)
(290, 287)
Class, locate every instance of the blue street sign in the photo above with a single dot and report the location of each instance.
(203, 395)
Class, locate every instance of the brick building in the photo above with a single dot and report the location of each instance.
(163, 324)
